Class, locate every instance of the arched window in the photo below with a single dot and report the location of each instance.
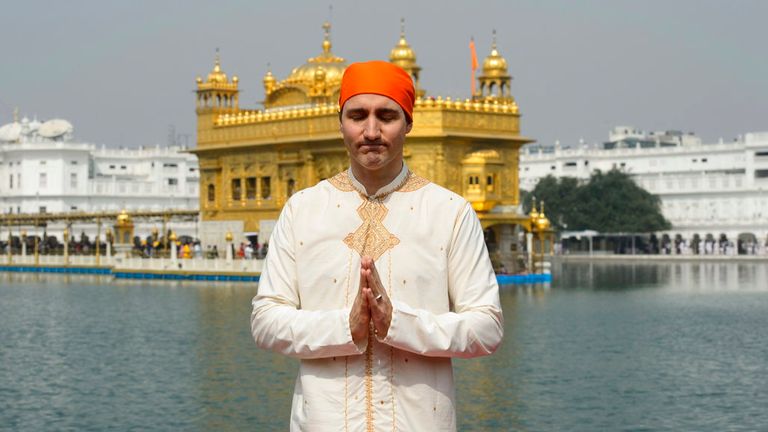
(211, 193)
(291, 187)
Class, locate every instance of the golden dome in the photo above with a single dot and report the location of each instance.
(325, 64)
(534, 214)
(495, 64)
(217, 76)
(269, 78)
(269, 81)
(542, 222)
(402, 54)
(123, 218)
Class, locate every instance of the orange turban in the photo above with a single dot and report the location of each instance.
(381, 78)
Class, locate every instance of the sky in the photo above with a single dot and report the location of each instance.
(123, 72)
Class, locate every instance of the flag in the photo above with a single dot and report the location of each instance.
(473, 53)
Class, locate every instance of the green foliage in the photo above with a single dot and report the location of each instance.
(608, 202)
(559, 197)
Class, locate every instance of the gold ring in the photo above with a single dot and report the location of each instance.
(378, 298)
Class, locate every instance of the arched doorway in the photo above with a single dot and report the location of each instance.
(746, 244)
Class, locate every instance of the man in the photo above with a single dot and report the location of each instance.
(376, 277)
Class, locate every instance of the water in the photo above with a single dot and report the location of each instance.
(607, 347)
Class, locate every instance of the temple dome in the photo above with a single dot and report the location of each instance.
(495, 64)
(326, 66)
(402, 54)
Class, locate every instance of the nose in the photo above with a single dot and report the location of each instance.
(372, 131)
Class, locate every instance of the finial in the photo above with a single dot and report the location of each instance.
(16, 115)
(217, 61)
(493, 45)
(326, 37)
(402, 28)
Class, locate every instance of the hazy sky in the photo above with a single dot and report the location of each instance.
(123, 72)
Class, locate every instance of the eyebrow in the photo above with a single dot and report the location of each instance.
(379, 111)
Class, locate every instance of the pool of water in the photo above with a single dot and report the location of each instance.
(614, 347)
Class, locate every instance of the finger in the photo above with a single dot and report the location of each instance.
(363, 279)
(370, 297)
(374, 281)
(366, 262)
(367, 296)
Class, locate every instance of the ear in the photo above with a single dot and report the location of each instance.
(408, 128)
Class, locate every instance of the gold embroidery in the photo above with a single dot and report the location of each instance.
(346, 393)
(391, 349)
(346, 359)
(369, 381)
(371, 238)
(414, 182)
(342, 182)
(392, 385)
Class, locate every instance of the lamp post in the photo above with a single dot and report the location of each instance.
(10, 245)
(153, 243)
(228, 237)
(37, 251)
(65, 236)
(533, 216)
(98, 241)
(174, 255)
(542, 227)
(110, 238)
(539, 225)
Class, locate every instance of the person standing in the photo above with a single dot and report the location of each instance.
(376, 278)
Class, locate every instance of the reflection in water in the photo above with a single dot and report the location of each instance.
(240, 384)
(631, 346)
(687, 276)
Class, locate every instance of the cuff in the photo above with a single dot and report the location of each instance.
(393, 324)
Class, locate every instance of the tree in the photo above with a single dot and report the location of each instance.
(608, 202)
(559, 197)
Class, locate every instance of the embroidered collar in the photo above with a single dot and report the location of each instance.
(385, 190)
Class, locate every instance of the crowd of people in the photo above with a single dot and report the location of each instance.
(193, 249)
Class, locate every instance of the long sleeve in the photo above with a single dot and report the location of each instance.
(474, 326)
(278, 322)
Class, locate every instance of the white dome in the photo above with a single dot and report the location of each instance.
(55, 128)
(34, 125)
(10, 132)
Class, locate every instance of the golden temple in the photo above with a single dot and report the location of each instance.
(252, 160)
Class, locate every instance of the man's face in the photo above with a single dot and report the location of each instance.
(374, 129)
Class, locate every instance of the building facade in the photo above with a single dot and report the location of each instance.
(707, 191)
(253, 160)
(44, 169)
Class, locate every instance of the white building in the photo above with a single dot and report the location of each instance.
(44, 170)
(705, 189)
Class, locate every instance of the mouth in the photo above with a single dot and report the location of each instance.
(368, 147)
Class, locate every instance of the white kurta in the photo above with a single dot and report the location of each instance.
(430, 252)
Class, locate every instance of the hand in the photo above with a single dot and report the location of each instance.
(360, 315)
(380, 307)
